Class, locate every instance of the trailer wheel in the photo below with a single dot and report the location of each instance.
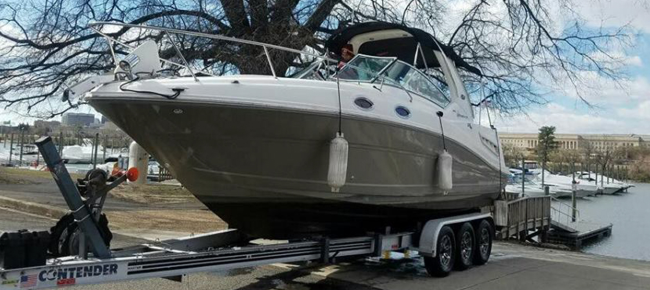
(442, 264)
(465, 245)
(484, 237)
(65, 235)
(58, 233)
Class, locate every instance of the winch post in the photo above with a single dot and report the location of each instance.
(80, 210)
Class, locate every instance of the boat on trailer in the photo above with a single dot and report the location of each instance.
(387, 140)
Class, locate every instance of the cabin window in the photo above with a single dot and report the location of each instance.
(403, 112)
(363, 103)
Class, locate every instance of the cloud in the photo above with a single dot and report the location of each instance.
(616, 13)
(640, 112)
(571, 121)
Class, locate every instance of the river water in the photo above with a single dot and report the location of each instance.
(630, 214)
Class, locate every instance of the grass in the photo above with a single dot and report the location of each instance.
(147, 193)
(13, 176)
(9, 175)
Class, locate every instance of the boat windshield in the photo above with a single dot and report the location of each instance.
(396, 73)
(364, 67)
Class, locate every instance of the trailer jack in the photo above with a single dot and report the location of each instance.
(85, 226)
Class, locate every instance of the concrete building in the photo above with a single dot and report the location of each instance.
(49, 125)
(598, 142)
(78, 119)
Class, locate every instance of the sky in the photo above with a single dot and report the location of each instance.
(615, 110)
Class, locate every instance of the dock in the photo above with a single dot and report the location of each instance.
(530, 217)
(576, 234)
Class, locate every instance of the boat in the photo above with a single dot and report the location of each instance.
(81, 154)
(533, 187)
(582, 188)
(605, 184)
(389, 140)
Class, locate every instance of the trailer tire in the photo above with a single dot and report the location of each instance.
(64, 235)
(56, 233)
(484, 238)
(465, 246)
(442, 264)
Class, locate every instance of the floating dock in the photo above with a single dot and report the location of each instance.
(576, 234)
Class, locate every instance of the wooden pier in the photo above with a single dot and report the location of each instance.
(523, 218)
(529, 217)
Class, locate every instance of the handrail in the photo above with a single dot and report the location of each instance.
(561, 216)
(95, 26)
(98, 25)
(566, 205)
(206, 35)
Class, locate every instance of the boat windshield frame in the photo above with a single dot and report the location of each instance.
(380, 75)
(351, 65)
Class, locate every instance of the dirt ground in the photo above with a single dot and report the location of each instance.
(141, 203)
(194, 221)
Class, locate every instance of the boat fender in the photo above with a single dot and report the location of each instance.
(443, 171)
(338, 165)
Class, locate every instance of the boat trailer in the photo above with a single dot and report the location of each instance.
(73, 264)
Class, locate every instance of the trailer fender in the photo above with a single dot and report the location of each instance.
(429, 236)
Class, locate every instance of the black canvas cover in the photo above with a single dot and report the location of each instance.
(404, 49)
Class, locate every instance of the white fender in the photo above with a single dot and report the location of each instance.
(444, 170)
(338, 165)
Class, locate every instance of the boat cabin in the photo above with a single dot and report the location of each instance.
(403, 57)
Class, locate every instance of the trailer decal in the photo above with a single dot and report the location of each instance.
(28, 281)
(66, 282)
(77, 272)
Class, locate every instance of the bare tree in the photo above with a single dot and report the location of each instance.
(515, 43)
(512, 155)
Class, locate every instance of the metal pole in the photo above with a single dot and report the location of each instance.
(268, 58)
(523, 176)
(22, 142)
(104, 145)
(11, 147)
(596, 176)
(601, 175)
(543, 169)
(95, 150)
(574, 186)
(547, 190)
(609, 173)
(61, 143)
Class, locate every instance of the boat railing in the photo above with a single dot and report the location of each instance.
(98, 25)
(562, 212)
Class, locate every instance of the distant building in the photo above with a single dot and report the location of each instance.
(598, 142)
(49, 125)
(78, 119)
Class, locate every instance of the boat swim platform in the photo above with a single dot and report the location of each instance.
(576, 234)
